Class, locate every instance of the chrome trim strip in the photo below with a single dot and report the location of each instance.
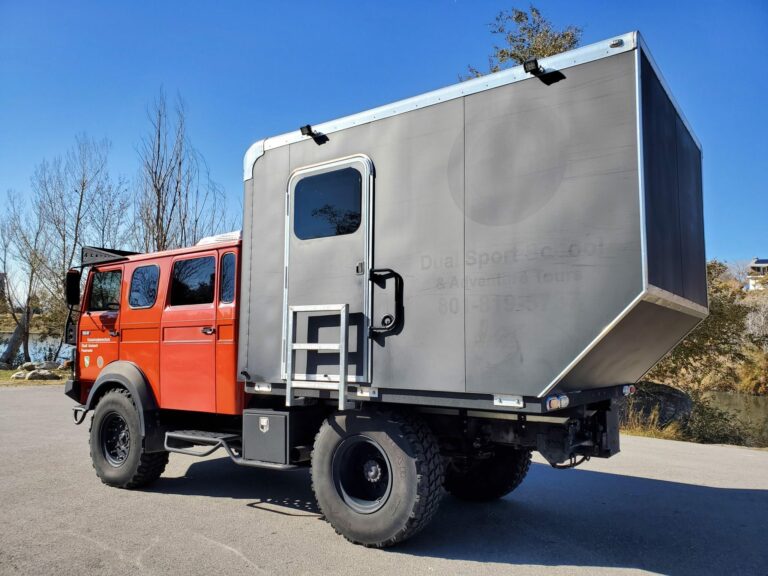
(590, 53)
(644, 47)
(603, 333)
(641, 171)
(667, 299)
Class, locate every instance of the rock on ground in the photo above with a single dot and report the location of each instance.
(19, 375)
(47, 365)
(42, 375)
(27, 366)
(4, 366)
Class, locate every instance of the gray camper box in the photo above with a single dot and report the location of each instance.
(496, 242)
(433, 289)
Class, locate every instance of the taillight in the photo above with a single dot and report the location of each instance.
(557, 402)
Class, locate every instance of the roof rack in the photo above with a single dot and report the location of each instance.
(224, 237)
(92, 256)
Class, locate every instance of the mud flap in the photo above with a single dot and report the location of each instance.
(608, 429)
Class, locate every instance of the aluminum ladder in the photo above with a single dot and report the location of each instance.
(341, 347)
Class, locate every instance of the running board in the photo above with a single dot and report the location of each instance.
(184, 442)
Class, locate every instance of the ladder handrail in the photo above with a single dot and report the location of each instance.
(343, 311)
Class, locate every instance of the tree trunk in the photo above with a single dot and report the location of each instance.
(25, 334)
(9, 355)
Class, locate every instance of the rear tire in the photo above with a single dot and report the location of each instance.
(377, 476)
(490, 478)
(116, 447)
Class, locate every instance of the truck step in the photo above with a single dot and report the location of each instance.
(185, 441)
(200, 436)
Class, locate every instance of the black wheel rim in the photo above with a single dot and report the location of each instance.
(362, 474)
(115, 439)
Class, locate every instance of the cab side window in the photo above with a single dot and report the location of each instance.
(105, 291)
(227, 279)
(143, 291)
(192, 281)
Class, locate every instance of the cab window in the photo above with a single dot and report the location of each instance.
(227, 279)
(143, 291)
(105, 291)
(192, 281)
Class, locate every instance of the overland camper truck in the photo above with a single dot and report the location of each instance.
(422, 295)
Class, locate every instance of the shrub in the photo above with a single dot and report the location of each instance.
(708, 424)
(638, 422)
(753, 373)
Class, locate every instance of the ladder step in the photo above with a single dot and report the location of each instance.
(312, 346)
(315, 385)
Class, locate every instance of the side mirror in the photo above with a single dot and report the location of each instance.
(72, 285)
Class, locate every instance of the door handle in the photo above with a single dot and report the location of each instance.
(114, 333)
(389, 322)
(208, 330)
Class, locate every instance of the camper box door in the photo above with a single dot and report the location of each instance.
(328, 253)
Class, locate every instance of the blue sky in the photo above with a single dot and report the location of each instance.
(247, 70)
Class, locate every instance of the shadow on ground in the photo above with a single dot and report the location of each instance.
(571, 518)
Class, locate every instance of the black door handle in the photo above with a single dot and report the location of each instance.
(389, 322)
(207, 330)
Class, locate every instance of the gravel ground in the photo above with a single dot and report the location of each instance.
(658, 507)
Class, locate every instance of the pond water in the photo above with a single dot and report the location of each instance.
(752, 410)
(40, 348)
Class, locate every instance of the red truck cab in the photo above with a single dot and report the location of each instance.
(173, 315)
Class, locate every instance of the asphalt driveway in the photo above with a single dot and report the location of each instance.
(658, 507)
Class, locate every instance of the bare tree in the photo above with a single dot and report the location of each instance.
(177, 202)
(108, 220)
(526, 34)
(23, 247)
(739, 269)
(79, 203)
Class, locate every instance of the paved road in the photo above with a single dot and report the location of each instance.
(658, 507)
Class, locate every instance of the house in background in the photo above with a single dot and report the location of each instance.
(757, 277)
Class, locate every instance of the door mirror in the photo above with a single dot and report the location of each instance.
(72, 286)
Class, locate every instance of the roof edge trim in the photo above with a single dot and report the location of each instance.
(254, 152)
(612, 46)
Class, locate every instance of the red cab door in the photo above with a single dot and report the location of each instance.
(100, 322)
(229, 393)
(188, 335)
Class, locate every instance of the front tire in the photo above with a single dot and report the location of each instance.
(115, 440)
(484, 480)
(377, 476)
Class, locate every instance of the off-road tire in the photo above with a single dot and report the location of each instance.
(138, 467)
(416, 476)
(484, 480)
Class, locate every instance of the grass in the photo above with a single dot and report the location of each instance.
(636, 424)
(5, 379)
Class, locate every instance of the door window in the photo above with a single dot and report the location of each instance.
(105, 291)
(328, 204)
(227, 279)
(143, 291)
(192, 281)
